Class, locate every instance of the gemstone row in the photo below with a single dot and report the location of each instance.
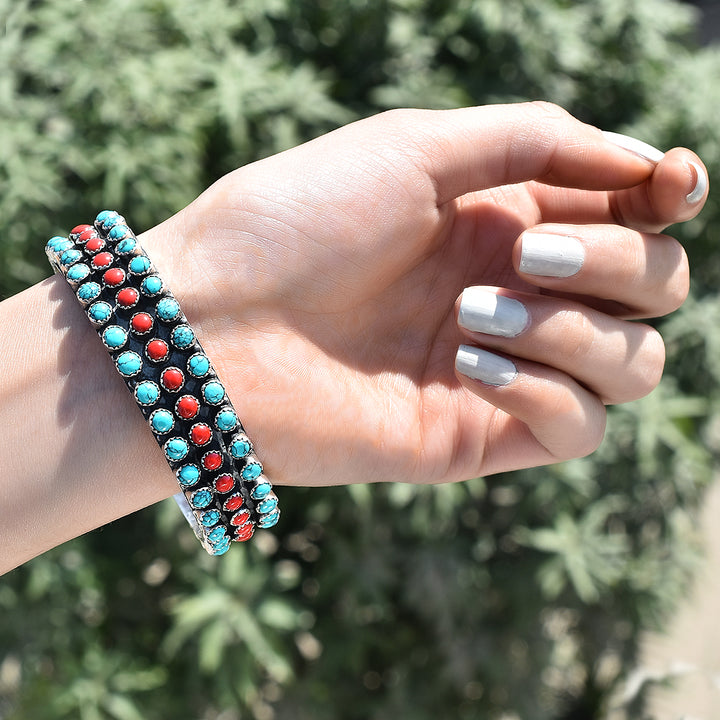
(155, 350)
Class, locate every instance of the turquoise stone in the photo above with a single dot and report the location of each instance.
(182, 337)
(88, 291)
(198, 365)
(176, 449)
(240, 447)
(188, 475)
(118, 232)
(267, 521)
(210, 518)
(151, 285)
(129, 363)
(221, 548)
(162, 421)
(114, 337)
(252, 471)
(226, 421)
(126, 246)
(267, 505)
(103, 215)
(100, 312)
(112, 219)
(201, 499)
(70, 256)
(140, 265)
(213, 392)
(58, 243)
(216, 535)
(147, 392)
(168, 309)
(78, 272)
(261, 491)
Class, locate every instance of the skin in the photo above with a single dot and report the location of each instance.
(324, 283)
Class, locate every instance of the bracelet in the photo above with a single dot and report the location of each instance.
(224, 494)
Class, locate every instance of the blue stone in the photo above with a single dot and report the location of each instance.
(168, 309)
(267, 521)
(129, 363)
(201, 499)
(103, 216)
(182, 337)
(139, 265)
(216, 535)
(221, 548)
(147, 392)
(70, 256)
(267, 506)
(100, 312)
(210, 518)
(198, 365)
(213, 392)
(78, 272)
(240, 447)
(118, 232)
(176, 449)
(252, 471)
(88, 291)
(151, 285)
(59, 243)
(126, 246)
(188, 475)
(226, 421)
(261, 491)
(162, 421)
(114, 337)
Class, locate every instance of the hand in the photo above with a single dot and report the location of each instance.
(324, 283)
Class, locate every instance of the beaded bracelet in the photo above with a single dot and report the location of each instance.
(224, 494)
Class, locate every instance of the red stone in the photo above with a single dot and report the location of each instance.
(157, 350)
(113, 276)
(224, 483)
(88, 233)
(128, 296)
(245, 532)
(102, 259)
(200, 434)
(187, 407)
(172, 379)
(212, 461)
(235, 502)
(240, 518)
(94, 243)
(80, 229)
(141, 323)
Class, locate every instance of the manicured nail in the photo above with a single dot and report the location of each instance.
(483, 311)
(701, 185)
(648, 152)
(484, 366)
(551, 255)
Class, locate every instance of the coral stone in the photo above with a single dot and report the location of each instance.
(172, 379)
(224, 483)
(240, 518)
(157, 350)
(78, 230)
(127, 297)
(245, 532)
(187, 407)
(113, 276)
(212, 461)
(141, 323)
(94, 243)
(233, 503)
(200, 434)
(102, 260)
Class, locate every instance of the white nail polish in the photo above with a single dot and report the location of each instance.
(484, 366)
(701, 185)
(634, 146)
(551, 255)
(484, 311)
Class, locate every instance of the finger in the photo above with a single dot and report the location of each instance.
(617, 360)
(543, 416)
(477, 148)
(646, 274)
(676, 192)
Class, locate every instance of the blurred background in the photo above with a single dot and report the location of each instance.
(523, 596)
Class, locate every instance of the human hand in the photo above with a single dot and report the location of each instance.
(323, 282)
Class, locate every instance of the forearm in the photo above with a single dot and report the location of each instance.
(75, 451)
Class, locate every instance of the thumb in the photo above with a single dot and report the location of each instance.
(477, 148)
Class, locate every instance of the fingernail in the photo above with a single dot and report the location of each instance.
(484, 366)
(551, 255)
(648, 152)
(701, 185)
(484, 311)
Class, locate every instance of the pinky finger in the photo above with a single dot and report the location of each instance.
(543, 416)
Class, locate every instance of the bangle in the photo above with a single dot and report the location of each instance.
(224, 494)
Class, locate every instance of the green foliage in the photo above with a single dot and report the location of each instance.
(519, 596)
